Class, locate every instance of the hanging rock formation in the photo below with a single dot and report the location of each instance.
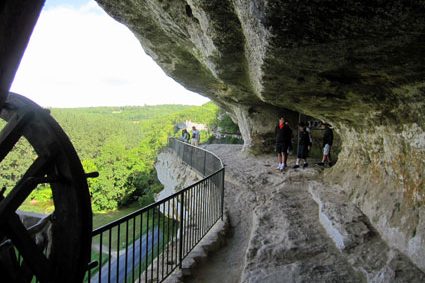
(357, 65)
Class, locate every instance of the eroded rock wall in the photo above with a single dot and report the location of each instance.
(173, 173)
(358, 65)
(382, 169)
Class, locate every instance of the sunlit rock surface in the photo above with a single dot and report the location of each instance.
(357, 65)
(173, 174)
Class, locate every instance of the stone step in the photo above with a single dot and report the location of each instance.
(357, 240)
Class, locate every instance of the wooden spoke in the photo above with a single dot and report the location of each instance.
(26, 246)
(23, 188)
(12, 132)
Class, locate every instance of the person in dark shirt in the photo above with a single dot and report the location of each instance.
(185, 135)
(304, 146)
(328, 138)
(283, 140)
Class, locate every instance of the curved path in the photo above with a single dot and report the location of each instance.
(105, 277)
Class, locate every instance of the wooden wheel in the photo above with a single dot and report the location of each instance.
(64, 255)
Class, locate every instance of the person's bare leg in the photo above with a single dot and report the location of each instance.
(279, 158)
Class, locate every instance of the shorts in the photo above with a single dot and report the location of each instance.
(326, 149)
(302, 152)
(282, 147)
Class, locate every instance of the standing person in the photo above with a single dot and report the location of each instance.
(185, 135)
(283, 140)
(304, 146)
(195, 136)
(328, 138)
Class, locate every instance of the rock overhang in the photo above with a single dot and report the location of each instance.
(328, 59)
(358, 65)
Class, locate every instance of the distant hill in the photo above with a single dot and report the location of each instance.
(121, 143)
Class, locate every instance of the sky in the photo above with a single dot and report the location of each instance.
(78, 56)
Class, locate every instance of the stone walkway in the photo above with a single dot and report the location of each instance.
(277, 233)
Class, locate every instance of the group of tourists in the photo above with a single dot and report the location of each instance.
(284, 144)
(186, 137)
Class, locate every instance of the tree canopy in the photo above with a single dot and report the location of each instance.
(121, 143)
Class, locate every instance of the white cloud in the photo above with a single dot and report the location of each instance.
(82, 57)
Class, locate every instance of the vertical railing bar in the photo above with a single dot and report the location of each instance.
(217, 199)
(214, 203)
(109, 255)
(173, 208)
(190, 218)
(153, 239)
(100, 256)
(190, 225)
(158, 245)
(203, 206)
(204, 210)
(207, 209)
(186, 222)
(195, 228)
(163, 240)
(133, 249)
(210, 207)
(193, 217)
(140, 246)
(181, 230)
(195, 224)
(222, 194)
(147, 246)
(118, 251)
(176, 227)
(199, 202)
(126, 251)
(168, 235)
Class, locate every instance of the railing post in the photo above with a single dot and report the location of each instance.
(181, 231)
(222, 193)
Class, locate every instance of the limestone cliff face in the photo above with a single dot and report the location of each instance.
(173, 173)
(358, 65)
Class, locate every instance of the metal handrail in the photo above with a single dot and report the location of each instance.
(152, 242)
(143, 209)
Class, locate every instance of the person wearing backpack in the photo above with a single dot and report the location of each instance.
(185, 135)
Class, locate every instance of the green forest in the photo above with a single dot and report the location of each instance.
(121, 143)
